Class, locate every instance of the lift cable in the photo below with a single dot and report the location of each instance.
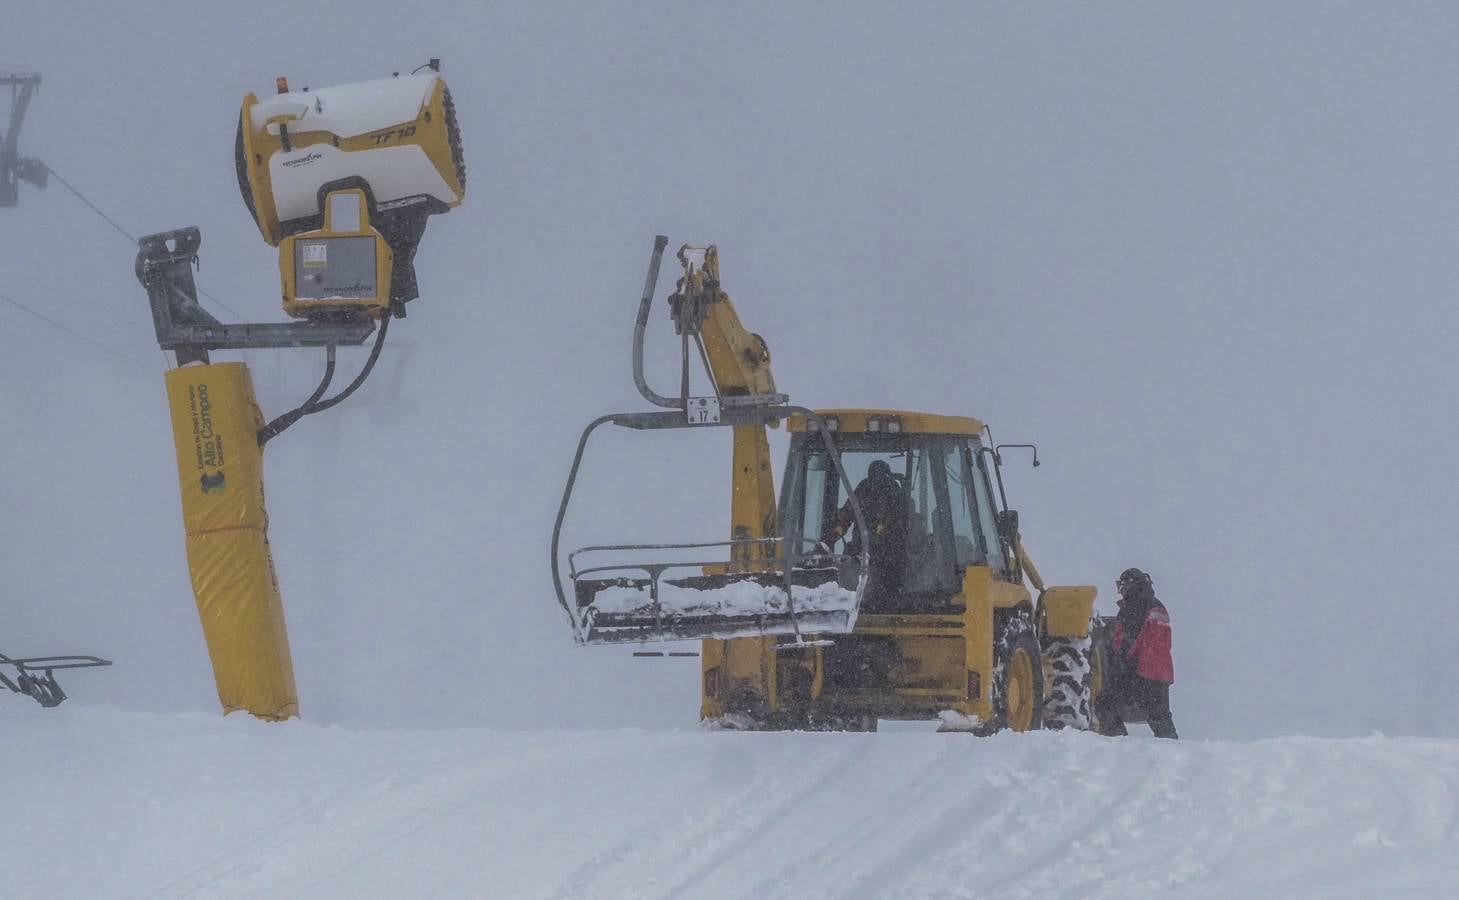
(94, 208)
(76, 334)
(124, 233)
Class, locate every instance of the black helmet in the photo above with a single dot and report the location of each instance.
(1132, 577)
(879, 468)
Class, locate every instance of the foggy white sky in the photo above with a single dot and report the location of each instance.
(1202, 255)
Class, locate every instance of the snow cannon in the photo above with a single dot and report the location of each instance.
(341, 181)
(393, 142)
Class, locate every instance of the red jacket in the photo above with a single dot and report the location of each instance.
(1151, 650)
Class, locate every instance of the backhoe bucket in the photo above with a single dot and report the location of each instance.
(633, 601)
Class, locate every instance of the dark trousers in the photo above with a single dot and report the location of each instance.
(1151, 698)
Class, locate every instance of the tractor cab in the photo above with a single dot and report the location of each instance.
(925, 493)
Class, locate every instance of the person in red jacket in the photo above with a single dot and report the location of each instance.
(1140, 669)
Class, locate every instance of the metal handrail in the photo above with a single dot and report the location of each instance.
(692, 545)
(36, 675)
(638, 420)
(832, 561)
(38, 663)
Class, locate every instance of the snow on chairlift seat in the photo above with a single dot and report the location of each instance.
(622, 609)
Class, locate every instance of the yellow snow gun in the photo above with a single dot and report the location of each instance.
(393, 142)
(342, 181)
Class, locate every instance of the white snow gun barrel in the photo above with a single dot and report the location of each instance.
(35, 675)
(395, 141)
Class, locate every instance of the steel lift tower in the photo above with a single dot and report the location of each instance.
(15, 168)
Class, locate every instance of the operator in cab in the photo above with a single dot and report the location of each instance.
(1141, 670)
(884, 509)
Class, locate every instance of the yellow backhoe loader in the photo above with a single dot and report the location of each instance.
(887, 583)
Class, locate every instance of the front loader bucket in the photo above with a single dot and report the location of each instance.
(622, 602)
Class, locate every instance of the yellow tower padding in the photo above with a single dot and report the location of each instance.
(215, 423)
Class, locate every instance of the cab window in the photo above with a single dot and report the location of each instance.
(967, 542)
(983, 500)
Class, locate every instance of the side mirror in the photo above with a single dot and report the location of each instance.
(1007, 522)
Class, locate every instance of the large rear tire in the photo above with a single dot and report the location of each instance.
(1019, 700)
(1067, 671)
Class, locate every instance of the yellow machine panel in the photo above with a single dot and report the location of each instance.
(891, 420)
(215, 423)
(340, 270)
(978, 585)
(1067, 610)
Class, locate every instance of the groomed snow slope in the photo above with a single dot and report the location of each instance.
(105, 803)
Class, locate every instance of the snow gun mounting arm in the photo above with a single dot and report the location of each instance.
(164, 266)
(165, 263)
(35, 675)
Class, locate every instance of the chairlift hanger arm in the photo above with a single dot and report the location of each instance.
(13, 167)
(21, 88)
(640, 327)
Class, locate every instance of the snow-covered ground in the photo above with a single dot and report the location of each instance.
(107, 803)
